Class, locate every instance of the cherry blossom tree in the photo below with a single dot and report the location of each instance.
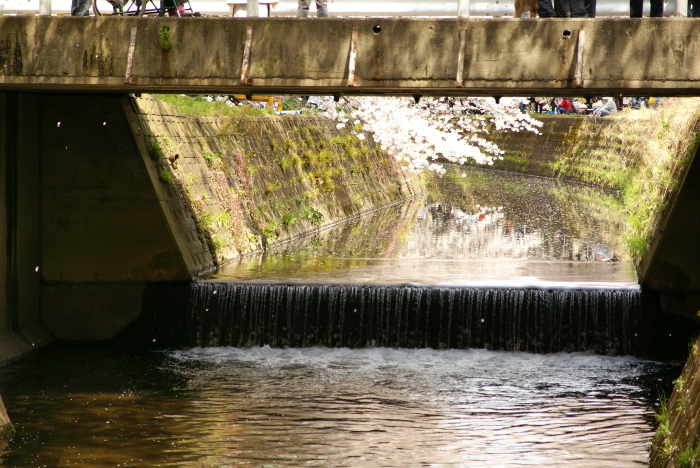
(419, 133)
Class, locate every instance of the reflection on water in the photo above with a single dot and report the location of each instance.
(328, 407)
(472, 228)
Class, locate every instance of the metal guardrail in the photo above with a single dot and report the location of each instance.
(424, 8)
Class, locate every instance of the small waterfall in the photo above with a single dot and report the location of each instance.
(604, 321)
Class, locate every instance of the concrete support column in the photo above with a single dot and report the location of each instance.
(20, 219)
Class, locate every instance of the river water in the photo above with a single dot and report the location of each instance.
(209, 404)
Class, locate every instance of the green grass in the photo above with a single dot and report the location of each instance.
(199, 106)
(155, 150)
(164, 38)
(167, 177)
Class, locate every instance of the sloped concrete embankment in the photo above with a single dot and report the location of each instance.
(251, 182)
(676, 441)
(530, 153)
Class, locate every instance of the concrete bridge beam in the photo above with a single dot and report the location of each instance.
(373, 56)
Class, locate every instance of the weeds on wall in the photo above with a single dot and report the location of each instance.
(672, 445)
(164, 38)
(155, 151)
(166, 177)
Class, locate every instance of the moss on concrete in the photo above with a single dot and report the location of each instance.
(677, 439)
(255, 181)
(7, 431)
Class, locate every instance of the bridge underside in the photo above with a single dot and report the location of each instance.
(337, 56)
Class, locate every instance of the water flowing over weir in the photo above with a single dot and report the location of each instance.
(604, 321)
(487, 260)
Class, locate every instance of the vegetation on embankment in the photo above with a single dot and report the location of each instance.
(637, 153)
(678, 418)
(641, 154)
(251, 181)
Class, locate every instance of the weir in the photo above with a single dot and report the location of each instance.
(211, 314)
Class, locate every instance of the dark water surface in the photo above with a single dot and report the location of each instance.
(262, 406)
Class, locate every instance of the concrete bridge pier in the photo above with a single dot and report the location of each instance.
(20, 227)
(83, 227)
(671, 270)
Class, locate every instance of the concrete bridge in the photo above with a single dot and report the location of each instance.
(372, 56)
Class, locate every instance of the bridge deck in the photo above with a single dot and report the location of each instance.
(396, 56)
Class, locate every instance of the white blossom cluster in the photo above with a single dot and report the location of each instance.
(420, 133)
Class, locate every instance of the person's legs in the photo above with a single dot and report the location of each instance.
(657, 8)
(303, 10)
(561, 9)
(636, 8)
(545, 9)
(322, 8)
(80, 7)
(577, 9)
(589, 5)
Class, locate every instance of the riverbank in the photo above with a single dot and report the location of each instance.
(252, 181)
(638, 153)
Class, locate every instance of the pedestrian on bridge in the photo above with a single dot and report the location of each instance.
(637, 7)
(321, 8)
(80, 7)
(563, 9)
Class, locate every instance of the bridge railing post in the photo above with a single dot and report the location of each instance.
(45, 7)
(462, 8)
(253, 8)
(681, 7)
